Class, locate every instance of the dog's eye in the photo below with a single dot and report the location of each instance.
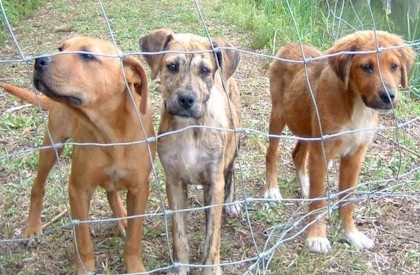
(87, 56)
(367, 68)
(394, 67)
(204, 71)
(172, 67)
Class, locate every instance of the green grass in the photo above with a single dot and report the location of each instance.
(15, 11)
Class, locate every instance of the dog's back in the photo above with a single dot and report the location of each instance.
(283, 71)
(288, 85)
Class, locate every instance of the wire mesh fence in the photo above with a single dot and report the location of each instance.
(268, 229)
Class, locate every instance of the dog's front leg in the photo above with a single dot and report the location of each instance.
(47, 159)
(316, 237)
(213, 195)
(349, 171)
(80, 196)
(137, 198)
(176, 191)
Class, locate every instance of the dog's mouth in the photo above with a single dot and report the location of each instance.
(54, 95)
(177, 111)
(379, 105)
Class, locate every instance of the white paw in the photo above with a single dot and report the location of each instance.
(318, 245)
(304, 185)
(233, 210)
(121, 229)
(272, 194)
(359, 240)
(330, 164)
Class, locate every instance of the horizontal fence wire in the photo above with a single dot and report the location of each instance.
(277, 235)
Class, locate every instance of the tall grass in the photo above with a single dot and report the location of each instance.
(15, 10)
(271, 23)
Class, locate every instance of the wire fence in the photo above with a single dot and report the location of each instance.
(277, 235)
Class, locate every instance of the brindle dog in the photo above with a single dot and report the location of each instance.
(197, 90)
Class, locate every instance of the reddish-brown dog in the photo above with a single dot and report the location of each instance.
(89, 101)
(349, 91)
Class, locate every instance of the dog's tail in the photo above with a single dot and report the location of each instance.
(28, 96)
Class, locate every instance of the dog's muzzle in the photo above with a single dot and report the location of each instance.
(184, 105)
(386, 100)
(41, 66)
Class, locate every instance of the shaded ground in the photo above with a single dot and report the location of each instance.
(393, 222)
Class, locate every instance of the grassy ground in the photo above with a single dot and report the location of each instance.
(393, 222)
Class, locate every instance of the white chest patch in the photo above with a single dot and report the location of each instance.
(362, 121)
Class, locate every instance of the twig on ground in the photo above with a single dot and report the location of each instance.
(17, 108)
(399, 237)
(53, 220)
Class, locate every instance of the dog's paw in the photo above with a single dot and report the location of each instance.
(178, 270)
(32, 233)
(233, 210)
(358, 240)
(121, 226)
(318, 244)
(304, 185)
(272, 194)
(330, 164)
(32, 242)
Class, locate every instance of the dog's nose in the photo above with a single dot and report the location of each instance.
(387, 96)
(186, 100)
(41, 63)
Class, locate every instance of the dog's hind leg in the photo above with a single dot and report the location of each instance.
(276, 125)
(118, 210)
(232, 210)
(349, 171)
(300, 156)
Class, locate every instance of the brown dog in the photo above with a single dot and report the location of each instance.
(92, 103)
(193, 95)
(349, 90)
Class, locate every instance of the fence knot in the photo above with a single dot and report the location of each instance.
(380, 49)
(307, 60)
(75, 222)
(167, 213)
(27, 58)
(151, 139)
(216, 49)
(260, 256)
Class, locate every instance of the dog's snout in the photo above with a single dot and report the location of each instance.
(42, 62)
(387, 96)
(186, 100)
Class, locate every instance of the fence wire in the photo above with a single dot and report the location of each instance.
(281, 233)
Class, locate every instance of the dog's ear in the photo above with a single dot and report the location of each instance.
(228, 59)
(136, 76)
(407, 60)
(341, 62)
(155, 41)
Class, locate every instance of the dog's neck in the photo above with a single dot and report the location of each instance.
(115, 120)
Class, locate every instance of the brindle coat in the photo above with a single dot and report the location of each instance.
(193, 95)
